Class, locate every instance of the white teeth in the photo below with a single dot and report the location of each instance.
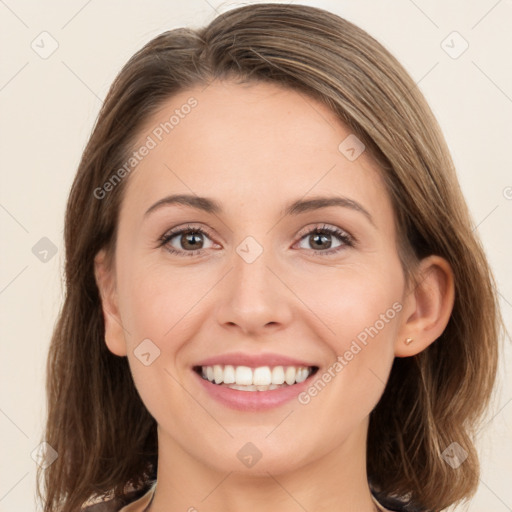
(302, 375)
(262, 378)
(253, 388)
(218, 374)
(243, 376)
(277, 375)
(229, 374)
(289, 375)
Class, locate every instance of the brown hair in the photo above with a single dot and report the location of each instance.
(105, 437)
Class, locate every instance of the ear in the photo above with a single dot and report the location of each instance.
(106, 282)
(427, 307)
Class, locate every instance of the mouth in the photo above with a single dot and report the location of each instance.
(261, 378)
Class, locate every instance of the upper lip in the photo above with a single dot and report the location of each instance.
(253, 360)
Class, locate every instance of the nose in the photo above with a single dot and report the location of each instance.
(254, 298)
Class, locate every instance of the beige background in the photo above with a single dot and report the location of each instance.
(48, 107)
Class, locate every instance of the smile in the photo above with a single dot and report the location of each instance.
(262, 378)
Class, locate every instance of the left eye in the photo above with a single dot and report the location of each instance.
(190, 239)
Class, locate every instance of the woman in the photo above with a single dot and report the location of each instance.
(275, 298)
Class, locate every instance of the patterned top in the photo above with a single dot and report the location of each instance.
(137, 502)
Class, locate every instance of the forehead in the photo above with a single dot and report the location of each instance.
(250, 142)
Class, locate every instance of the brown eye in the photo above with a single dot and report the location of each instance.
(320, 241)
(327, 240)
(187, 241)
(191, 240)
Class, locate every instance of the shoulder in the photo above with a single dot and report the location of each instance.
(118, 504)
(105, 506)
(394, 504)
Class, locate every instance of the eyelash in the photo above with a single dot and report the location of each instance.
(348, 240)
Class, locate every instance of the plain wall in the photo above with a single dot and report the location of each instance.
(49, 105)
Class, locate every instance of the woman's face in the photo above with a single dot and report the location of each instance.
(250, 284)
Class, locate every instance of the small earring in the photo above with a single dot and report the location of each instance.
(408, 341)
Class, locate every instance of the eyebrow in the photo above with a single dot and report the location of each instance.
(294, 208)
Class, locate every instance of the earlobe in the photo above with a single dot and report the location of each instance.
(105, 281)
(428, 307)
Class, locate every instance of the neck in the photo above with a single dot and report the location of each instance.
(333, 481)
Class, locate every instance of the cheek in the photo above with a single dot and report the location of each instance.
(355, 302)
(362, 310)
(157, 301)
(158, 308)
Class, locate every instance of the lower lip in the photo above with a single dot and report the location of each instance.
(253, 400)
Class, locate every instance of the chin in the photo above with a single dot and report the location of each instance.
(258, 458)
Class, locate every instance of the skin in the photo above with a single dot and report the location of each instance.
(255, 148)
